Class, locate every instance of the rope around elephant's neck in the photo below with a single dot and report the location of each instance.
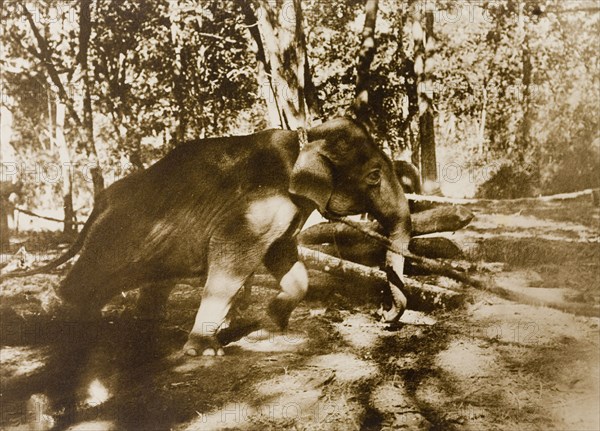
(302, 137)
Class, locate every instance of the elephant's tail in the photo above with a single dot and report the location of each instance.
(65, 257)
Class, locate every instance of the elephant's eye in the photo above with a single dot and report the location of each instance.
(374, 177)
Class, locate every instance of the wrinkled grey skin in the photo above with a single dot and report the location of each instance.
(223, 206)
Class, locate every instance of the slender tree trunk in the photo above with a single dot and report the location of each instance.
(525, 132)
(263, 66)
(482, 121)
(6, 208)
(315, 107)
(70, 226)
(360, 106)
(428, 157)
(424, 45)
(410, 85)
(85, 30)
(415, 156)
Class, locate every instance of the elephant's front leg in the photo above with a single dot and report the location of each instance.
(230, 265)
(252, 238)
(221, 286)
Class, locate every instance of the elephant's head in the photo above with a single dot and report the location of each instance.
(343, 172)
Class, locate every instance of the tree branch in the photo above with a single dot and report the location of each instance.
(46, 58)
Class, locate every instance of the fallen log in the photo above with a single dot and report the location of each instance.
(440, 219)
(372, 253)
(435, 247)
(415, 265)
(420, 295)
(352, 244)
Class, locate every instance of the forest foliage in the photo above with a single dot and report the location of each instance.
(512, 85)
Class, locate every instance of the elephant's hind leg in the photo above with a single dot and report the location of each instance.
(152, 302)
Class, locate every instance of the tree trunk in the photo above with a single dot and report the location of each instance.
(360, 106)
(45, 56)
(427, 144)
(525, 132)
(85, 30)
(4, 231)
(283, 72)
(415, 152)
(442, 219)
(424, 45)
(315, 107)
(70, 226)
(482, 121)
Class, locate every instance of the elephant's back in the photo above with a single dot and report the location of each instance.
(167, 213)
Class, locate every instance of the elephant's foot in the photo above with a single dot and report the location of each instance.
(279, 312)
(202, 345)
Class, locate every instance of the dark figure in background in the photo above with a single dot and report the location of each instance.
(410, 180)
(409, 177)
(7, 207)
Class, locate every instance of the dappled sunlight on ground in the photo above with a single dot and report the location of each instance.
(18, 361)
(94, 426)
(493, 364)
(265, 341)
(347, 367)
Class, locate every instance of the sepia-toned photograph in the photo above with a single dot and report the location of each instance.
(312, 215)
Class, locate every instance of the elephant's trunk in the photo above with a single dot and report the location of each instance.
(390, 208)
(399, 237)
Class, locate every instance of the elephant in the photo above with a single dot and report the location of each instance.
(223, 206)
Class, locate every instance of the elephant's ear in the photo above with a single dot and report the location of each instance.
(311, 176)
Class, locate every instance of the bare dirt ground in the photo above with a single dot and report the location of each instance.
(492, 364)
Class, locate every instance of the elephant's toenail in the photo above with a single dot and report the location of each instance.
(209, 352)
(191, 352)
